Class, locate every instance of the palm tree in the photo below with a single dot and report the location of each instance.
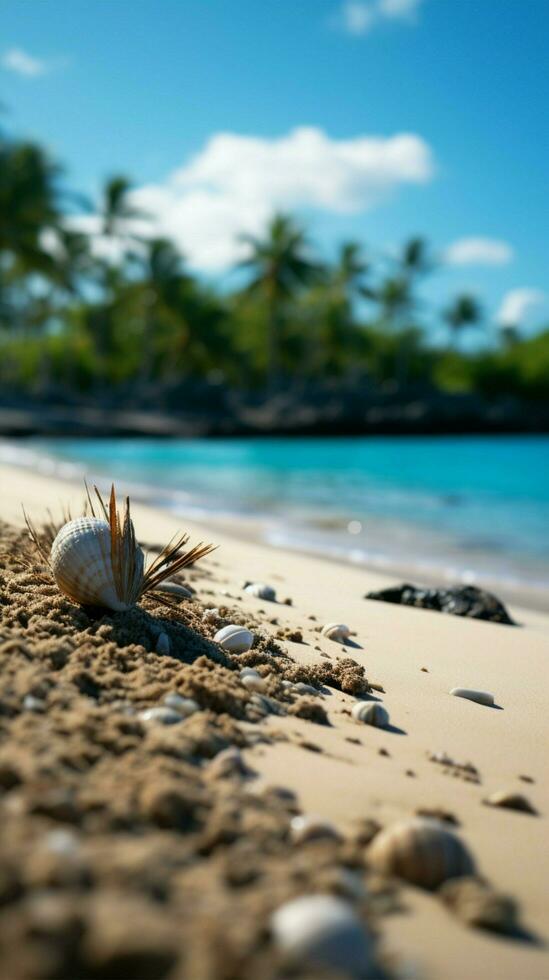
(280, 264)
(464, 311)
(29, 205)
(115, 208)
(414, 259)
(344, 283)
(162, 292)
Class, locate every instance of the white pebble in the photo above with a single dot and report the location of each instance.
(30, 703)
(336, 631)
(481, 697)
(184, 706)
(370, 713)
(236, 639)
(163, 644)
(253, 681)
(323, 931)
(261, 591)
(162, 715)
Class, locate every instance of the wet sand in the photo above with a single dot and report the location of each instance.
(168, 867)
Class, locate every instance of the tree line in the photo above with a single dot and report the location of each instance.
(78, 318)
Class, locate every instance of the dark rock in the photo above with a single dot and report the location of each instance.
(460, 600)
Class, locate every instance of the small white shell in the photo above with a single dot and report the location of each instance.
(184, 706)
(370, 713)
(81, 565)
(481, 697)
(162, 715)
(236, 639)
(306, 827)
(324, 931)
(420, 850)
(163, 644)
(261, 591)
(336, 631)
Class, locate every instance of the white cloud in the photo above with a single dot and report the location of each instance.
(517, 304)
(399, 9)
(358, 18)
(21, 63)
(236, 182)
(478, 251)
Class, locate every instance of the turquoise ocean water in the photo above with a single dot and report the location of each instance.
(469, 508)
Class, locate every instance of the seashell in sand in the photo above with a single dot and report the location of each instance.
(163, 644)
(96, 560)
(236, 639)
(82, 566)
(161, 715)
(336, 631)
(184, 706)
(511, 801)
(420, 850)
(370, 713)
(305, 827)
(261, 591)
(323, 931)
(481, 697)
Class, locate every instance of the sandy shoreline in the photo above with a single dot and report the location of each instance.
(345, 781)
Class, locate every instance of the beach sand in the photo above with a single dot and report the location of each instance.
(341, 771)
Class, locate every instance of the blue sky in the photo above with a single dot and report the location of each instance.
(221, 110)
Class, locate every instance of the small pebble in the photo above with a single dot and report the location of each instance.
(370, 713)
(163, 644)
(323, 931)
(30, 703)
(254, 682)
(336, 631)
(302, 688)
(184, 706)
(64, 843)
(511, 801)
(162, 715)
(481, 697)
(260, 590)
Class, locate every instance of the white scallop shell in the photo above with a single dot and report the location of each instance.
(236, 639)
(370, 713)
(336, 631)
(481, 697)
(261, 591)
(420, 850)
(324, 931)
(81, 565)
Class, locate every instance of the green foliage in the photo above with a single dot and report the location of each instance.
(72, 320)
